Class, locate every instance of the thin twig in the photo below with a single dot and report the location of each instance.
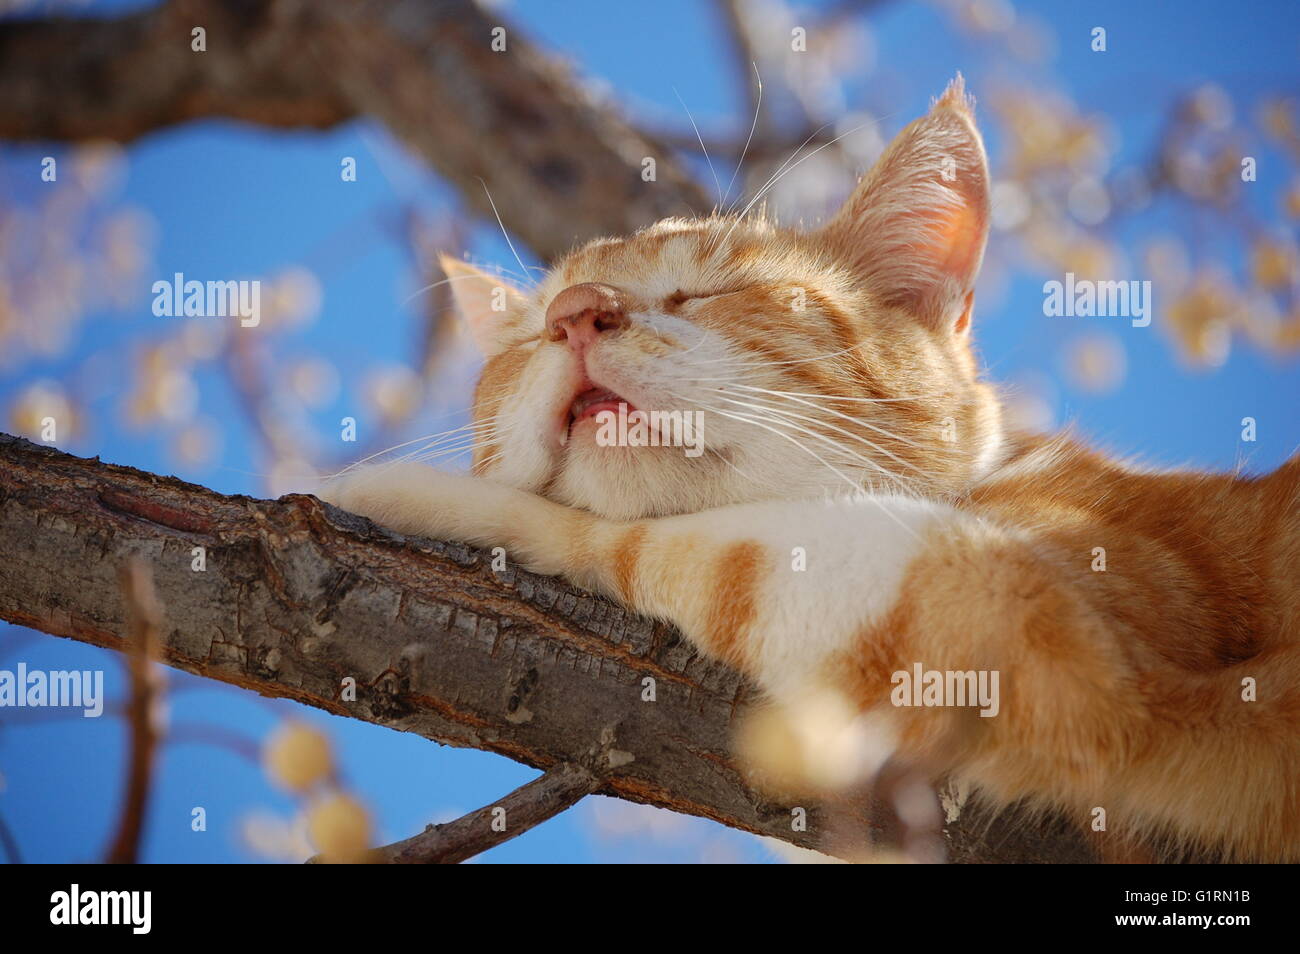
(526, 807)
(144, 618)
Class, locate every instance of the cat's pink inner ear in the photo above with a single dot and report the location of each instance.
(490, 307)
(916, 225)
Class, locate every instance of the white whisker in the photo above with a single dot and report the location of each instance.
(856, 485)
(504, 233)
(863, 440)
(716, 184)
(812, 135)
(781, 173)
(856, 420)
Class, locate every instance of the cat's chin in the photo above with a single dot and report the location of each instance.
(628, 483)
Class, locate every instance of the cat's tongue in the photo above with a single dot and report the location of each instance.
(592, 401)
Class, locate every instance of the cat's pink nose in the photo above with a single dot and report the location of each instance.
(582, 313)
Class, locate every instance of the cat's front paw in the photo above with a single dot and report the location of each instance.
(418, 500)
(413, 498)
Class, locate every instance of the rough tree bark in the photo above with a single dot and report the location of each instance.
(560, 166)
(298, 595)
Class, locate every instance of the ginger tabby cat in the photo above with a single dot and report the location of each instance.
(842, 412)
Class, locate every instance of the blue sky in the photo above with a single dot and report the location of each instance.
(231, 200)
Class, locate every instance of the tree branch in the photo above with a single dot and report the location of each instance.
(561, 167)
(526, 807)
(298, 597)
(84, 78)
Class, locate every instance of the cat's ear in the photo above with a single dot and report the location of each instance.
(916, 225)
(491, 308)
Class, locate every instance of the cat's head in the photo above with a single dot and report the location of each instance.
(781, 362)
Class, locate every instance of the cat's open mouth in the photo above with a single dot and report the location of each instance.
(592, 401)
(589, 402)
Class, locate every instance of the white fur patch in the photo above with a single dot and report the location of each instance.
(856, 552)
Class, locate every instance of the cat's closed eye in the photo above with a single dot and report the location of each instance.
(679, 298)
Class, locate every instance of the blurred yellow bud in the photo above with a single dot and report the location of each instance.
(1287, 337)
(1278, 118)
(395, 392)
(43, 412)
(1201, 319)
(1291, 201)
(314, 381)
(1212, 107)
(293, 297)
(297, 757)
(339, 827)
(1089, 258)
(1272, 264)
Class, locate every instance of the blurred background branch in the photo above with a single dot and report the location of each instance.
(560, 166)
(141, 646)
